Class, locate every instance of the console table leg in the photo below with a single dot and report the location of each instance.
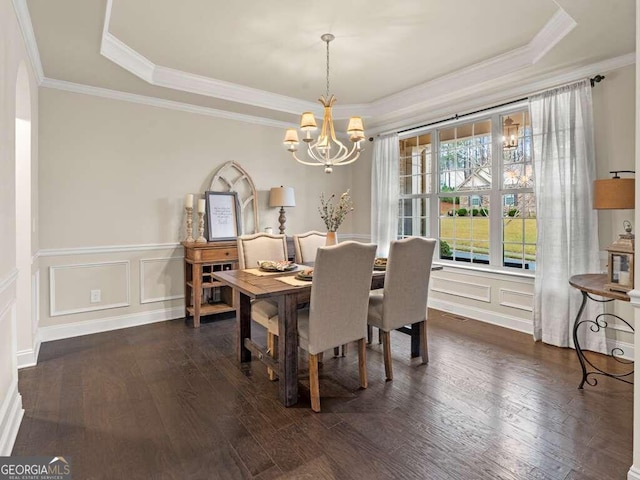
(576, 343)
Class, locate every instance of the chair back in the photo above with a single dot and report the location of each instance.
(260, 246)
(340, 295)
(307, 244)
(406, 283)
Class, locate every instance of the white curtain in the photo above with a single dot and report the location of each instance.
(385, 188)
(567, 245)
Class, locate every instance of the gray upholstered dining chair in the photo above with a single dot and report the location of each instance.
(306, 244)
(403, 300)
(252, 249)
(337, 313)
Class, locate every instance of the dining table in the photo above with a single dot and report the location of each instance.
(249, 285)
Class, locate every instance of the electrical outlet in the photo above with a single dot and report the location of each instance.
(95, 296)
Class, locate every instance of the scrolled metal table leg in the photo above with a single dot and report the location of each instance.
(576, 343)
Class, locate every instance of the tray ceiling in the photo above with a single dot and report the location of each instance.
(266, 58)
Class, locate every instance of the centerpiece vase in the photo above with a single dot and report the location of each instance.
(332, 239)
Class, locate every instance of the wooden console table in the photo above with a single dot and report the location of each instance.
(593, 284)
(204, 295)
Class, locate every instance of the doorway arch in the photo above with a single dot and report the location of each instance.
(25, 324)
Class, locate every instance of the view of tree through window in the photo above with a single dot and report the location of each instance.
(448, 190)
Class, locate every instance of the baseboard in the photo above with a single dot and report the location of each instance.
(29, 357)
(76, 329)
(634, 473)
(627, 348)
(487, 316)
(11, 413)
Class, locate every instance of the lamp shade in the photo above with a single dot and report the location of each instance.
(291, 136)
(282, 197)
(308, 122)
(614, 193)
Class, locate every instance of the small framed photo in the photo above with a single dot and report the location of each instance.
(620, 271)
(223, 215)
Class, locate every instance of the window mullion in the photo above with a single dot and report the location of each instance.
(434, 201)
(495, 197)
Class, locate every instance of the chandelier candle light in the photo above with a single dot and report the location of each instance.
(327, 150)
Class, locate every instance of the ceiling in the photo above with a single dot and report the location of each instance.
(390, 61)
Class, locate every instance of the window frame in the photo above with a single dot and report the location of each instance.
(495, 193)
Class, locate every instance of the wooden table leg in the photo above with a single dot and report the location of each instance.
(415, 340)
(288, 348)
(243, 325)
(197, 294)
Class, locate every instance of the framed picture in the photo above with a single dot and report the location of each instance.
(620, 275)
(222, 212)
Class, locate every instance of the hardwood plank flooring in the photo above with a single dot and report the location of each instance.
(166, 401)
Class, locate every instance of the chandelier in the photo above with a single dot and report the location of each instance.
(510, 134)
(326, 150)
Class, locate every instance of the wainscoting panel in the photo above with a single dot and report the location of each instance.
(161, 279)
(460, 288)
(70, 287)
(516, 299)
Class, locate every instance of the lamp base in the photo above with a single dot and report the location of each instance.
(282, 219)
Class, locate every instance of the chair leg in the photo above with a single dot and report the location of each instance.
(423, 342)
(362, 362)
(386, 347)
(336, 351)
(272, 347)
(344, 350)
(369, 334)
(314, 384)
(379, 336)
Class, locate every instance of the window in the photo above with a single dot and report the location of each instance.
(451, 176)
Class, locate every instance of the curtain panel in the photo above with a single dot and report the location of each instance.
(567, 243)
(385, 192)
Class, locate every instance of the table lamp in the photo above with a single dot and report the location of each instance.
(282, 197)
(618, 194)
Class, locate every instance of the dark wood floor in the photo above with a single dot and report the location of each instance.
(168, 401)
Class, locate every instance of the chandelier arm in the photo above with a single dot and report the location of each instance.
(313, 164)
(349, 161)
(344, 159)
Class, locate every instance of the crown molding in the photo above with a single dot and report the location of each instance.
(29, 37)
(553, 32)
(478, 75)
(126, 57)
(505, 88)
(160, 102)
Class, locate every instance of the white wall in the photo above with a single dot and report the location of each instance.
(12, 56)
(113, 176)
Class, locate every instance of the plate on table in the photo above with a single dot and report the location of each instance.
(380, 263)
(276, 266)
(306, 274)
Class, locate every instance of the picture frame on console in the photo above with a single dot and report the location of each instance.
(222, 212)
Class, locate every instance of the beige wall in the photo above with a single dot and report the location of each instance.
(113, 176)
(13, 56)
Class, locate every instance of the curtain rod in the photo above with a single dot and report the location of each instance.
(597, 79)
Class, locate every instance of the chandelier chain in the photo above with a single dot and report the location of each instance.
(327, 69)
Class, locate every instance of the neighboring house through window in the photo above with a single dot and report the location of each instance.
(470, 184)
